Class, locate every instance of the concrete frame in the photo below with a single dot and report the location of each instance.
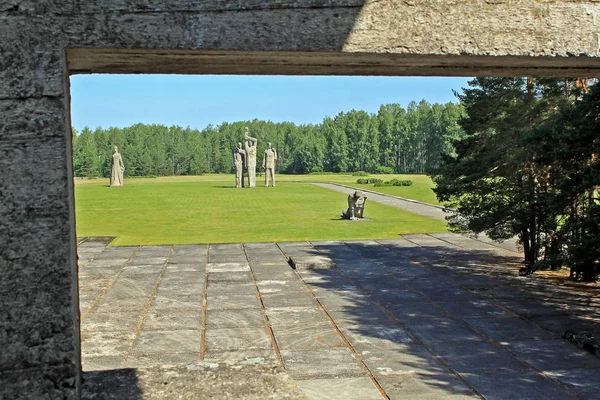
(42, 42)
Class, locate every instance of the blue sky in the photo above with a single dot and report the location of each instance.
(199, 100)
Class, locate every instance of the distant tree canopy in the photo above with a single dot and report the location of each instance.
(410, 140)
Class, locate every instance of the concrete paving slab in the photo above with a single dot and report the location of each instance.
(228, 267)
(155, 251)
(157, 262)
(475, 356)
(116, 305)
(273, 274)
(136, 360)
(448, 293)
(218, 381)
(416, 311)
(126, 321)
(504, 293)
(507, 329)
(584, 382)
(431, 386)
(278, 286)
(169, 288)
(95, 283)
(170, 319)
(127, 287)
(474, 309)
(314, 336)
(232, 302)
(257, 356)
(441, 330)
(198, 260)
(174, 268)
(105, 274)
(175, 302)
(376, 338)
(553, 354)
(396, 296)
(101, 363)
(340, 388)
(167, 342)
(322, 363)
(183, 277)
(529, 309)
(110, 253)
(236, 276)
(291, 316)
(410, 359)
(237, 339)
(227, 288)
(102, 344)
(341, 298)
(234, 318)
(360, 314)
(292, 299)
(107, 263)
(515, 385)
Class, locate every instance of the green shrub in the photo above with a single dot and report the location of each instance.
(368, 181)
(394, 182)
(384, 170)
(360, 173)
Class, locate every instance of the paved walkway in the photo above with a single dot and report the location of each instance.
(423, 317)
(413, 206)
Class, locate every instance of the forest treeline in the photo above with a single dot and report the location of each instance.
(396, 139)
(528, 165)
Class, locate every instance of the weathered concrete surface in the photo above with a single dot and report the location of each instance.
(418, 317)
(42, 40)
(193, 381)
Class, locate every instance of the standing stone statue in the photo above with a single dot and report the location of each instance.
(356, 206)
(250, 158)
(268, 165)
(116, 173)
(239, 161)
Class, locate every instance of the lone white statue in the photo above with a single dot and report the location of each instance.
(239, 161)
(250, 158)
(268, 165)
(116, 173)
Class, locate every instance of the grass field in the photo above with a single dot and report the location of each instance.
(208, 209)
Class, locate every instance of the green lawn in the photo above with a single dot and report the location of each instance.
(208, 209)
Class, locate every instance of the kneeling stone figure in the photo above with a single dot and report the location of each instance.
(356, 206)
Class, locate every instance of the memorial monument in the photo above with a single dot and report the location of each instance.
(239, 161)
(116, 173)
(268, 165)
(250, 157)
(356, 206)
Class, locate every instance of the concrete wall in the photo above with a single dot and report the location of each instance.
(42, 40)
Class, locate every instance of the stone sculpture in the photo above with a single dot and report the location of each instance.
(356, 206)
(239, 163)
(268, 165)
(250, 158)
(116, 173)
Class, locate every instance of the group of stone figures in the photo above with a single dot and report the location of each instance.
(245, 159)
